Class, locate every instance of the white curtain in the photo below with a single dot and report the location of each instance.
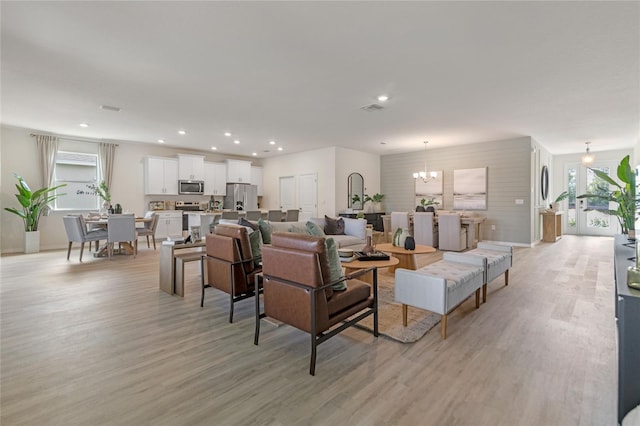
(106, 155)
(48, 148)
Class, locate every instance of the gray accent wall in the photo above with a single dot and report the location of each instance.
(509, 178)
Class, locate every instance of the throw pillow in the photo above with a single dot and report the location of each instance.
(335, 266)
(314, 229)
(245, 222)
(333, 226)
(255, 238)
(298, 229)
(265, 230)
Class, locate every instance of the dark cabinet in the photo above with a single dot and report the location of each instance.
(628, 320)
(374, 219)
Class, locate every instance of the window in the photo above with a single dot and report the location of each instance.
(77, 170)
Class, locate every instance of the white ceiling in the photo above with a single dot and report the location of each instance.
(299, 72)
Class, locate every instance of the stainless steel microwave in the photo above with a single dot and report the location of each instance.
(195, 187)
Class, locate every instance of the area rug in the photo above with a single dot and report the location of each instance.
(419, 322)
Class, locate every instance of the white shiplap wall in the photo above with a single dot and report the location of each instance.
(509, 178)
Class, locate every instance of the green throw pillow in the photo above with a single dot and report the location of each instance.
(298, 229)
(335, 266)
(314, 229)
(265, 230)
(255, 238)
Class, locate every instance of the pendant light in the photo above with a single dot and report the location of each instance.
(587, 158)
(426, 177)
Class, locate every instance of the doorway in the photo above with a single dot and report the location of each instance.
(287, 193)
(588, 216)
(308, 196)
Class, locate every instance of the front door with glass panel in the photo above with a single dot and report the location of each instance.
(588, 216)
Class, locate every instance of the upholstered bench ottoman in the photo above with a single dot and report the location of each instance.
(499, 260)
(441, 286)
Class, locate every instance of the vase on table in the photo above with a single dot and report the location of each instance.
(400, 236)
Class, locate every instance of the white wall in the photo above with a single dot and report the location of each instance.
(332, 165)
(349, 161)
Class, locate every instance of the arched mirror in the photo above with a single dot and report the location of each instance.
(544, 183)
(355, 189)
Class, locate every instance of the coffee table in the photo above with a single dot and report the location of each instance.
(354, 265)
(407, 258)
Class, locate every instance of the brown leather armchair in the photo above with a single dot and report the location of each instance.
(230, 264)
(297, 290)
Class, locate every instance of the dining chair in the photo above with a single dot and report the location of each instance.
(254, 215)
(451, 234)
(149, 230)
(399, 220)
(230, 215)
(292, 215)
(122, 229)
(77, 232)
(425, 229)
(274, 216)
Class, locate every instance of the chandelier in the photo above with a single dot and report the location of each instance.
(587, 158)
(424, 175)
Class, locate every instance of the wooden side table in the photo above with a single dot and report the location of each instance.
(354, 265)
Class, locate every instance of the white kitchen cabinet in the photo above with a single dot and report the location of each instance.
(215, 179)
(169, 223)
(160, 176)
(238, 171)
(256, 178)
(190, 167)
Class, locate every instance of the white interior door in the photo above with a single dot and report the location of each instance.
(287, 193)
(586, 216)
(308, 196)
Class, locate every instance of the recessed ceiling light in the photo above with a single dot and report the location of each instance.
(383, 98)
(254, 153)
(182, 132)
(227, 134)
(236, 141)
(84, 125)
(279, 148)
(160, 140)
(272, 142)
(383, 143)
(213, 148)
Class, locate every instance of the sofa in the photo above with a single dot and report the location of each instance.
(354, 237)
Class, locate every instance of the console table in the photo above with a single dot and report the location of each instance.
(628, 321)
(374, 219)
(551, 226)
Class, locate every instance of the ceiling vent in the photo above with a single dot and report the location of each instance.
(110, 108)
(372, 107)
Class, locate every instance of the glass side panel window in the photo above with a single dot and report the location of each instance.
(597, 216)
(571, 200)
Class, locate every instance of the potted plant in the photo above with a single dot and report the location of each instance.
(102, 191)
(34, 205)
(356, 202)
(424, 203)
(556, 202)
(624, 194)
(377, 202)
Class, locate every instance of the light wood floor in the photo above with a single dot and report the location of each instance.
(96, 343)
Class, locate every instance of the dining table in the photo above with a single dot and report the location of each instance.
(102, 222)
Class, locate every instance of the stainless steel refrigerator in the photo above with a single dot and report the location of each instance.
(241, 196)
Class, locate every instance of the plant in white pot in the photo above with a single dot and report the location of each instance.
(34, 205)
